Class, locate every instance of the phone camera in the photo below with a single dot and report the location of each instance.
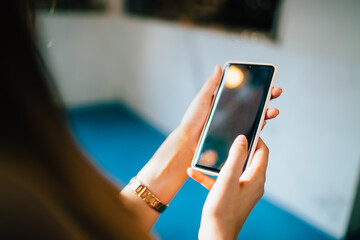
(249, 67)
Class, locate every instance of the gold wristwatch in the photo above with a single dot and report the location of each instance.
(144, 193)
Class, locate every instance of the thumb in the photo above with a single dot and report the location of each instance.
(238, 153)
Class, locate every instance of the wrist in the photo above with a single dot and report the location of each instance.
(165, 173)
(211, 229)
(146, 195)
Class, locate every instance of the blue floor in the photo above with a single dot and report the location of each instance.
(121, 143)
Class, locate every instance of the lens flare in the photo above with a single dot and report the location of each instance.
(234, 77)
(208, 158)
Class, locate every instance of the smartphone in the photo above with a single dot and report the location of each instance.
(238, 107)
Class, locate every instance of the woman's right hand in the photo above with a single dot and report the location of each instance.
(234, 194)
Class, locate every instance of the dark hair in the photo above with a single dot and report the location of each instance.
(48, 187)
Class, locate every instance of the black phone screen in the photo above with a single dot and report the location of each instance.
(237, 109)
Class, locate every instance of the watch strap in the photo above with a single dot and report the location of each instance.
(146, 195)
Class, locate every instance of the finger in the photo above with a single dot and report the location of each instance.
(201, 178)
(259, 161)
(237, 156)
(263, 125)
(208, 89)
(271, 113)
(276, 92)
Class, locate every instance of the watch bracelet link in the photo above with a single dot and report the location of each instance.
(146, 195)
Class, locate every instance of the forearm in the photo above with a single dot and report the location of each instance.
(146, 216)
(163, 175)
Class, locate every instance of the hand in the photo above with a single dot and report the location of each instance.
(234, 194)
(197, 113)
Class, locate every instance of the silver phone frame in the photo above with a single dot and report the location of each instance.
(214, 104)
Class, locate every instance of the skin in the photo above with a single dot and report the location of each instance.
(166, 171)
(233, 194)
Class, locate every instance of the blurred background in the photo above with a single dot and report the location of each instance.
(127, 71)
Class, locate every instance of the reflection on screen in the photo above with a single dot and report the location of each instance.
(238, 111)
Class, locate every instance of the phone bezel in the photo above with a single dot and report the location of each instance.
(214, 172)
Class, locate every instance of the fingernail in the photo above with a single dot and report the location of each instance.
(241, 139)
(215, 69)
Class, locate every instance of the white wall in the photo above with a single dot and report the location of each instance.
(157, 67)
